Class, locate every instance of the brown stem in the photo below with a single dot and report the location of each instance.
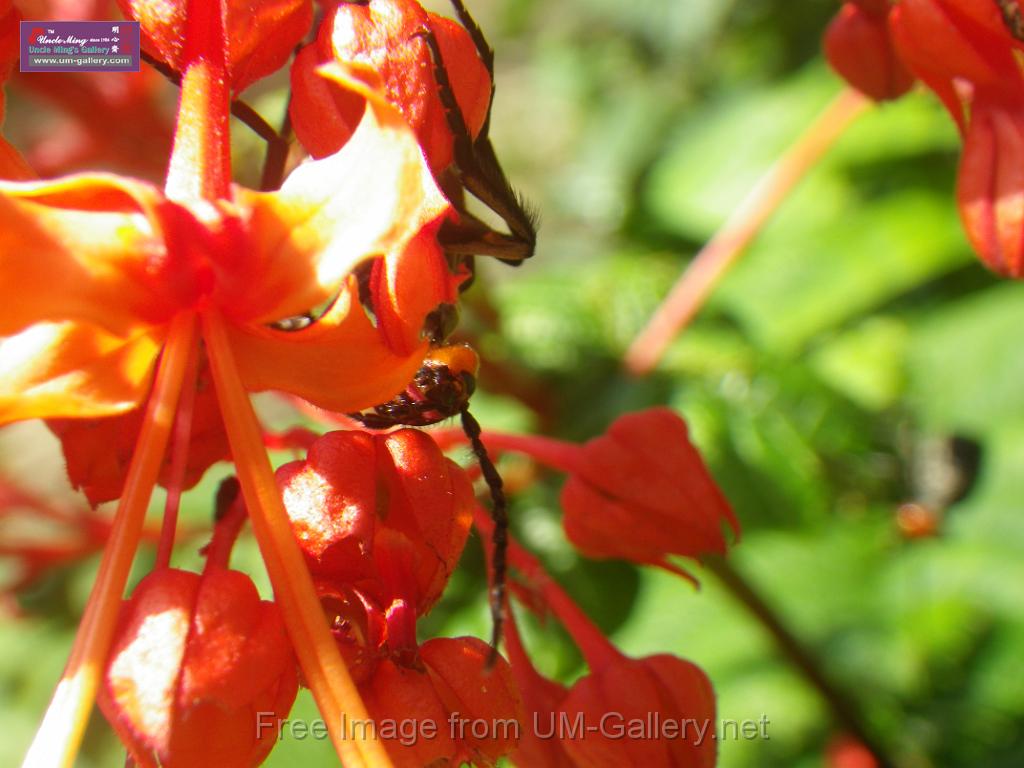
(277, 154)
(846, 712)
(702, 275)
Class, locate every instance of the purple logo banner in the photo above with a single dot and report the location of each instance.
(80, 46)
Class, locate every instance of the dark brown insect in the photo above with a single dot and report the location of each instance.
(476, 170)
(440, 390)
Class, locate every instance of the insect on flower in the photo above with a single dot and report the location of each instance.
(477, 169)
(440, 390)
(463, 161)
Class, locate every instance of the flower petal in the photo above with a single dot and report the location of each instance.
(338, 363)
(74, 369)
(83, 248)
(260, 36)
(370, 198)
(388, 36)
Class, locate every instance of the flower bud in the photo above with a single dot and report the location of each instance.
(641, 492)
(990, 186)
(858, 46)
(957, 49)
(472, 714)
(200, 671)
(388, 514)
(387, 35)
(667, 719)
(260, 36)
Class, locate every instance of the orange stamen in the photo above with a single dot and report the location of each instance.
(325, 672)
(179, 461)
(60, 734)
(712, 262)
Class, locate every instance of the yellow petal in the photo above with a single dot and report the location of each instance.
(81, 248)
(339, 362)
(74, 369)
(369, 198)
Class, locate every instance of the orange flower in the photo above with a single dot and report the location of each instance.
(96, 267)
(98, 451)
(105, 279)
(387, 35)
(200, 672)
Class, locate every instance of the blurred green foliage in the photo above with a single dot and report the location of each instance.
(858, 331)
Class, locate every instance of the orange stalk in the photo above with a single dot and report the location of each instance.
(60, 734)
(200, 166)
(325, 672)
(701, 276)
(179, 461)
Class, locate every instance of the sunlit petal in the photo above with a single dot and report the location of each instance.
(74, 369)
(338, 362)
(368, 199)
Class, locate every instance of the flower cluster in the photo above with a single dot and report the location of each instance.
(137, 319)
(968, 53)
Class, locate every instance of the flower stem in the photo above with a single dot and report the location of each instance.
(322, 665)
(559, 455)
(200, 166)
(712, 262)
(845, 712)
(60, 734)
(596, 648)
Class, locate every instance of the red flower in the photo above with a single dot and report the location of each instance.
(625, 712)
(964, 52)
(473, 713)
(387, 36)
(259, 36)
(958, 48)
(12, 165)
(990, 185)
(859, 47)
(626, 733)
(641, 492)
(385, 513)
(196, 659)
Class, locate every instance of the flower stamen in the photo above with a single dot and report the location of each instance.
(60, 734)
(325, 672)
